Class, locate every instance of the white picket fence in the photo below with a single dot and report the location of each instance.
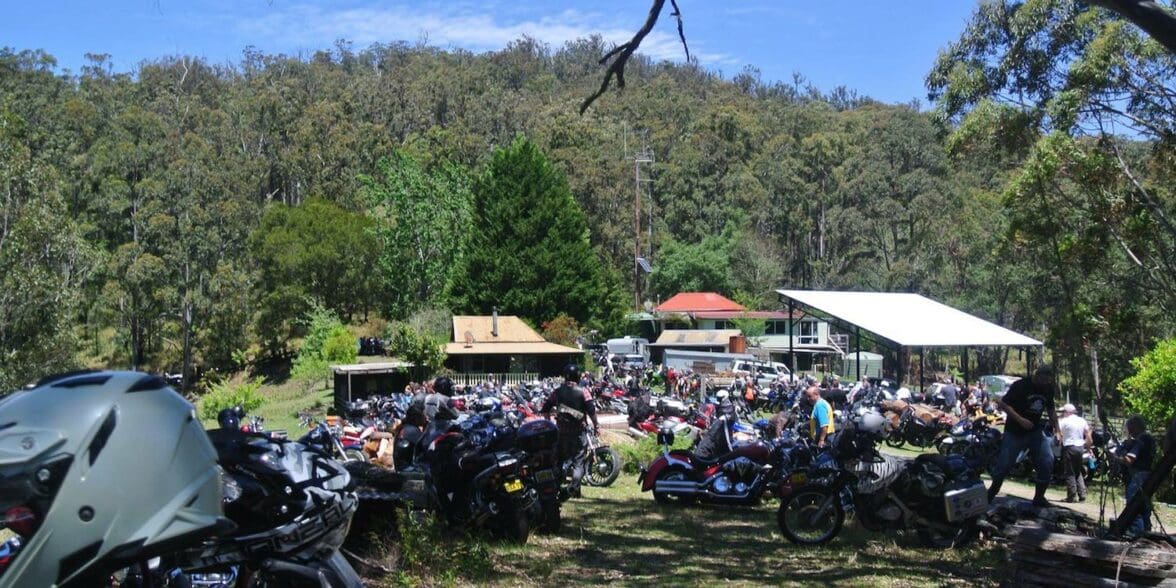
(507, 378)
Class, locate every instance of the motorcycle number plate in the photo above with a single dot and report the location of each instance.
(513, 486)
(545, 475)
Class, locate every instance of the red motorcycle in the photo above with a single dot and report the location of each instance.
(741, 476)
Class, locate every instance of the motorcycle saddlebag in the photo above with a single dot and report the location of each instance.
(962, 503)
(537, 435)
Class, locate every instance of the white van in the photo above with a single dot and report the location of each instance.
(765, 372)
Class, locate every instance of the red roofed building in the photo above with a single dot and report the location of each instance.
(692, 302)
(807, 336)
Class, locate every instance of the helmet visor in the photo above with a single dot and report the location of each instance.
(27, 491)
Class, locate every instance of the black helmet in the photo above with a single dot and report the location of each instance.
(571, 372)
(229, 418)
(443, 385)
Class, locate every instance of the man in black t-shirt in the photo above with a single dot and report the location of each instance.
(1137, 454)
(575, 413)
(1029, 406)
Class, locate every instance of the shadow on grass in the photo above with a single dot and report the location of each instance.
(638, 542)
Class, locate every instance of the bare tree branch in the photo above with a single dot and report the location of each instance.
(1149, 15)
(621, 53)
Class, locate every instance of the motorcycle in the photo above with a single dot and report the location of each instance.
(939, 497)
(538, 441)
(292, 505)
(471, 473)
(914, 430)
(741, 476)
(976, 440)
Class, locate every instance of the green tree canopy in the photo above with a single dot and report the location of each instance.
(422, 218)
(313, 252)
(529, 251)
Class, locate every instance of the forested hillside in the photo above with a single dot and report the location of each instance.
(189, 212)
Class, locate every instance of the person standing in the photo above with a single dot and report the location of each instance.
(1137, 454)
(1076, 439)
(821, 420)
(1029, 406)
(951, 397)
(575, 416)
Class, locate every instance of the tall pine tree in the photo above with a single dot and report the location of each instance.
(529, 251)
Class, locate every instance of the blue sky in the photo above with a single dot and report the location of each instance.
(879, 48)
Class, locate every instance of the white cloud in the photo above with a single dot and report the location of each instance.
(309, 25)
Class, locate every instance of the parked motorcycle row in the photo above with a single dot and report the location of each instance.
(496, 468)
(108, 479)
(939, 497)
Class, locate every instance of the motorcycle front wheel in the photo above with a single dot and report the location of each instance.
(895, 440)
(604, 468)
(801, 520)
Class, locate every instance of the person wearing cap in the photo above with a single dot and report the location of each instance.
(1076, 439)
(1029, 406)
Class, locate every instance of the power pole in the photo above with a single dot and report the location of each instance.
(643, 155)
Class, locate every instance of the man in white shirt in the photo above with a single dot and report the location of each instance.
(1076, 440)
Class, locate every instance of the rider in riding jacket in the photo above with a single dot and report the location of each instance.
(575, 412)
(717, 439)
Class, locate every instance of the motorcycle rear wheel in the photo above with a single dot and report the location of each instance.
(895, 440)
(795, 516)
(516, 528)
(604, 468)
(355, 455)
(551, 517)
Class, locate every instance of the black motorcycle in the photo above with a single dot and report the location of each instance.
(976, 440)
(538, 440)
(292, 505)
(939, 497)
(471, 474)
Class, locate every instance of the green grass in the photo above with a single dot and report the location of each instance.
(620, 535)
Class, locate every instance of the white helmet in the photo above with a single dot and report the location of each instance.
(722, 394)
(101, 469)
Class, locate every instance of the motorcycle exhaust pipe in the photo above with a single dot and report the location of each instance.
(677, 487)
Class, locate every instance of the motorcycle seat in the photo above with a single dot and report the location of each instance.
(706, 461)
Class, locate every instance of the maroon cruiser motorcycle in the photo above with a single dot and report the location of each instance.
(741, 476)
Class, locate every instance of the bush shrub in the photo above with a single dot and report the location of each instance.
(228, 394)
(636, 455)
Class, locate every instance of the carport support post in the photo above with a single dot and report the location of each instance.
(858, 351)
(922, 384)
(901, 366)
(348, 385)
(967, 372)
(792, 336)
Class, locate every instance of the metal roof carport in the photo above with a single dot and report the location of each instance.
(900, 320)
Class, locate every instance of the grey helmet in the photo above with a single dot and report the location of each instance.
(103, 469)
